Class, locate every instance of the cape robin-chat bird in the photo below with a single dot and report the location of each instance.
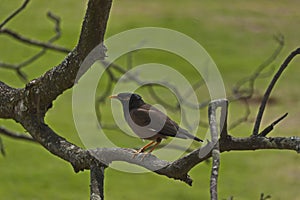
(149, 123)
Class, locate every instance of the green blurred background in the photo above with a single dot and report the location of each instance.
(237, 34)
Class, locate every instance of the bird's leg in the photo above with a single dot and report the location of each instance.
(143, 148)
(157, 142)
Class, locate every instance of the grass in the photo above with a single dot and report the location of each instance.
(237, 35)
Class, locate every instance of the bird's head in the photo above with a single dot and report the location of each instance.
(131, 99)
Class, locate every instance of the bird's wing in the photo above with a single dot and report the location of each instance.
(140, 117)
(155, 120)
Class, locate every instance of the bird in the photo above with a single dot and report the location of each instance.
(149, 123)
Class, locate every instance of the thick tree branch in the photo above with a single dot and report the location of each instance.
(57, 80)
(179, 169)
(29, 105)
(213, 124)
(57, 145)
(214, 174)
(97, 181)
(8, 101)
(212, 115)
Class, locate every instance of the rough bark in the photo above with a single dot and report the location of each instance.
(28, 105)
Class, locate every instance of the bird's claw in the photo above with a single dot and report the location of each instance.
(145, 154)
(140, 152)
(136, 152)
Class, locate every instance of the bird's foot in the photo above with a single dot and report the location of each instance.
(140, 151)
(143, 156)
(136, 152)
(146, 154)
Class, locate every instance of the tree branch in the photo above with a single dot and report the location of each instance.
(19, 136)
(97, 181)
(214, 174)
(18, 67)
(244, 88)
(80, 159)
(34, 42)
(22, 7)
(212, 114)
(29, 105)
(269, 128)
(270, 88)
(57, 80)
(179, 169)
(8, 101)
(2, 149)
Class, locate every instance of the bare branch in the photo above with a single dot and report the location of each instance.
(178, 169)
(244, 89)
(57, 145)
(97, 181)
(17, 67)
(212, 114)
(14, 135)
(34, 42)
(245, 117)
(263, 197)
(2, 149)
(269, 128)
(57, 80)
(247, 93)
(16, 12)
(8, 100)
(214, 174)
(270, 88)
(28, 105)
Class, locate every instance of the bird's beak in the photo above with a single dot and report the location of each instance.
(113, 97)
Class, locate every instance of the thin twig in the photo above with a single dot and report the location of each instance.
(263, 197)
(22, 7)
(2, 149)
(11, 134)
(243, 118)
(243, 93)
(34, 42)
(270, 88)
(269, 128)
(17, 67)
(247, 93)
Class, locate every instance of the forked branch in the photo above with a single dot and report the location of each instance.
(270, 88)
